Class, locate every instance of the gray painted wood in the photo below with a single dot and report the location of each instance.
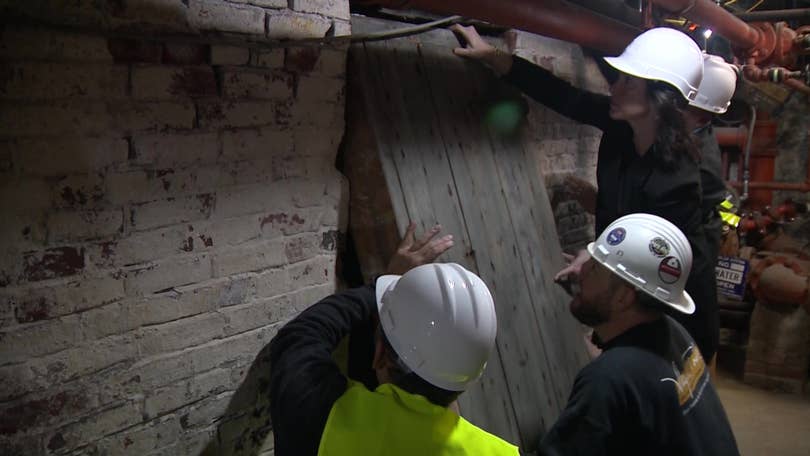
(442, 164)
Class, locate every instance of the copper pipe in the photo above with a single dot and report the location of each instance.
(553, 18)
(775, 15)
(789, 186)
(731, 136)
(722, 22)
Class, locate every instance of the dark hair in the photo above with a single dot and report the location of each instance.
(404, 378)
(673, 141)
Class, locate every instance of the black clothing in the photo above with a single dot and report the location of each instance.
(711, 173)
(648, 393)
(630, 183)
(305, 381)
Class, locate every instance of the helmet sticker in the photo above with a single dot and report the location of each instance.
(659, 247)
(669, 270)
(616, 236)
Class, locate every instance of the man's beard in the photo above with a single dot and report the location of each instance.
(587, 313)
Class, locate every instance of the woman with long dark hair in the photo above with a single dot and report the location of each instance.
(647, 160)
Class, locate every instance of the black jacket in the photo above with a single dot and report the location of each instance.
(305, 380)
(646, 394)
(629, 183)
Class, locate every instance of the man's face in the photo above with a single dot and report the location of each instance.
(592, 304)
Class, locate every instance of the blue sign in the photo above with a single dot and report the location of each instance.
(731, 274)
(616, 236)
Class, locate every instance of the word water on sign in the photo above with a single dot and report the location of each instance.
(731, 273)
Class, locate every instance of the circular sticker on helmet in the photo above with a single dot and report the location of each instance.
(659, 247)
(616, 236)
(669, 270)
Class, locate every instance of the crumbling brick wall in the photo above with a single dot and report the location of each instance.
(165, 205)
(566, 150)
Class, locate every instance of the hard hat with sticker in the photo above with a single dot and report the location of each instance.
(616, 236)
(669, 271)
(659, 247)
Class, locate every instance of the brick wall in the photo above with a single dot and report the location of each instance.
(165, 207)
(566, 150)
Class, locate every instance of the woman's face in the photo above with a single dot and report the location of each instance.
(628, 98)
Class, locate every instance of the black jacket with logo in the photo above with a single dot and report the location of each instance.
(648, 393)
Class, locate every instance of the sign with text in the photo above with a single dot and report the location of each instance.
(731, 274)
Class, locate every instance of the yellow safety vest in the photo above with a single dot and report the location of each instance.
(390, 421)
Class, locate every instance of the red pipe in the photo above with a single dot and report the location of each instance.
(722, 22)
(789, 186)
(732, 136)
(554, 18)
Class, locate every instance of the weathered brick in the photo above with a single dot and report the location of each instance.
(150, 185)
(275, 224)
(171, 211)
(187, 392)
(259, 198)
(67, 226)
(169, 82)
(315, 271)
(301, 59)
(149, 16)
(273, 58)
(257, 84)
(332, 63)
(43, 410)
(323, 144)
(294, 26)
(332, 8)
(229, 55)
(17, 381)
(265, 3)
(186, 53)
(135, 51)
(302, 247)
(179, 334)
(151, 245)
(341, 27)
(167, 274)
(106, 321)
(255, 314)
(302, 298)
(163, 151)
(54, 157)
(52, 263)
(33, 303)
(166, 307)
(240, 348)
(101, 423)
(79, 191)
(41, 44)
(39, 339)
(18, 194)
(71, 117)
(256, 143)
(152, 373)
(48, 81)
(143, 439)
(21, 232)
(273, 282)
(249, 257)
(226, 17)
(229, 114)
(323, 90)
(234, 231)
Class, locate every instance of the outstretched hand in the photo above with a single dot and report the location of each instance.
(574, 266)
(477, 49)
(414, 252)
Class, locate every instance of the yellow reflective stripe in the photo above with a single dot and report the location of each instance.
(730, 218)
(726, 204)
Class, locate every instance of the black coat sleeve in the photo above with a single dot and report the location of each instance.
(541, 85)
(305, 381)
(589, 421)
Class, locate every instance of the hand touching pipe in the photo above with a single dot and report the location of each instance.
(477, 49)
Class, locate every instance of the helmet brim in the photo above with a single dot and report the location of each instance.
(683, 303)
(384, 283)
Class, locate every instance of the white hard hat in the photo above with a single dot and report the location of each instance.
(663, 54)
(651, 254)
(440, 320)
(717, 86)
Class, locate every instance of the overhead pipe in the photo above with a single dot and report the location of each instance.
(775, 15)
(731, 136)
(554, 18)
(708, 13)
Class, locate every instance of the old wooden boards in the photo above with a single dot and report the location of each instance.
(417, 147)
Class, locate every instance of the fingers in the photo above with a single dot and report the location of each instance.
(430, 234)
(437, 247)
(563, 274)
(408, 239)
(568, 257)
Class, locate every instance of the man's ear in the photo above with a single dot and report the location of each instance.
(625, 295)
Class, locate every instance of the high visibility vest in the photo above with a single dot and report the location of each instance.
(390, 421)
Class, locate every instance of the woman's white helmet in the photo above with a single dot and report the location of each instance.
(440, 320)
(717, 86)
(663, 54)
(651, 254)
